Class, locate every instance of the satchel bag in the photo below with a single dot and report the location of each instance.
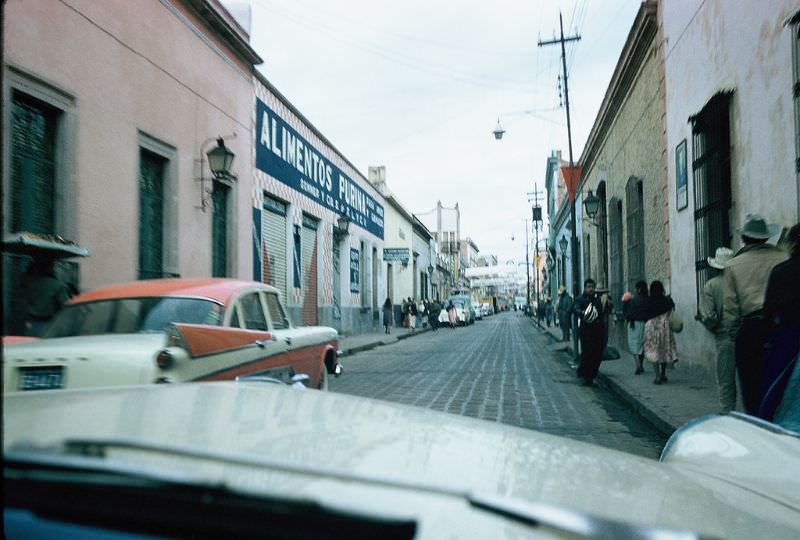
(675, 322)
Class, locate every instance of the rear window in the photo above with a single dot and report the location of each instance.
(132, 315)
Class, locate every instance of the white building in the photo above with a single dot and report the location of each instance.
(731, 134)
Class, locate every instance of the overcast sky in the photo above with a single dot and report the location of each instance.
(417, 86)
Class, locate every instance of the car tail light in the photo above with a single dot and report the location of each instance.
(164, 359)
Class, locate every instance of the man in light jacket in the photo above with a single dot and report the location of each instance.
(710, 314)
(743, 302)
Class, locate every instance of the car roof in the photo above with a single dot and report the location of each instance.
(218, 289)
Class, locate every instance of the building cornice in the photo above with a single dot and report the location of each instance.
(630, 61)
(225, 27)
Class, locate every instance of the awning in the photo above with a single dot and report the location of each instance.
(42, 245)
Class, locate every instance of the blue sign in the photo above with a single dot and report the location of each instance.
(286, 156)
(355, 266)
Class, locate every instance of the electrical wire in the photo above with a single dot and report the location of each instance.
(396, 57)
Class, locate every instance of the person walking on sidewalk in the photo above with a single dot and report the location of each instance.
(710, 315)
(433, 315)
(743, 302)
(659, 341)
(388, 313)
(451, 314)
(548, 311)
(782, 312)
(589, 311)
(634, 309)
(564, 310)
(412, 314)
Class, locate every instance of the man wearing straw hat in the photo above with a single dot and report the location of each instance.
(710, 314)
(743, 301)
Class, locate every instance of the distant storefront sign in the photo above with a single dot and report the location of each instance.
(354, 269)
(395, 254)
(286, 156)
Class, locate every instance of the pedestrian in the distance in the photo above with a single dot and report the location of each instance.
(746, 277)
(782, 312)
(659, 341)
(44, 295)
(388, 313)
(433, 315)
(634, 309)
(588, 309)
(404, 313)
(709, 313)
(412, 315)
(451, 314)
(564, 311)
(548, 310)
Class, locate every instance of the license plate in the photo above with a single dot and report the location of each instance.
(41, 378)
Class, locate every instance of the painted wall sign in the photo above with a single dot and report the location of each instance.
(354, 270)
(286, 156)
(395, 254)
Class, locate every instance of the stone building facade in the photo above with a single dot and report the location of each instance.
(623, 166)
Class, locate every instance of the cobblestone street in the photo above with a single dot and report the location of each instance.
(499, 369)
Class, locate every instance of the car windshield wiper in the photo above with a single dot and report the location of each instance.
(91, 452)
(64, 491)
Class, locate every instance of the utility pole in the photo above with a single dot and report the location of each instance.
(576, 287)
(536, 215)
(527, 270)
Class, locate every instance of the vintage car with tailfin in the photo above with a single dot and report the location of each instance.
(169, 331)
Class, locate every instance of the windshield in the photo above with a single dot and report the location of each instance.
(132, 315)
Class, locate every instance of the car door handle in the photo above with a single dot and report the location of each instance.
(263, 342)
(288, 340)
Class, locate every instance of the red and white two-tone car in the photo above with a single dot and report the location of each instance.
(172, 330)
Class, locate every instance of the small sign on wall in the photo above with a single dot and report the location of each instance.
(681, 180)
(354, 270)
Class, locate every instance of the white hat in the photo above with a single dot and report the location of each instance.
(722, 256)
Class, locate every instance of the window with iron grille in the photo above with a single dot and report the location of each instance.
(796, 87)
(634, 222)
(151, 214)
(796, 92)
(615, 282)
(33, 154)
(219, 226)
(602, 238)
(711, 169)
(587, 257)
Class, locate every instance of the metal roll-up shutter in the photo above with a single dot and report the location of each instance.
(309, 269)
(273, 234)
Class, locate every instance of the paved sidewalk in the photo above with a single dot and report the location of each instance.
(687, 395)
(364, 342)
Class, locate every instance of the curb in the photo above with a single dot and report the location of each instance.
(657, 420)
(383, 341)
(649, 415)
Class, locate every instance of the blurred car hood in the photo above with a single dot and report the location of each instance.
(419, 458)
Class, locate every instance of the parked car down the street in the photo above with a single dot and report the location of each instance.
(171, 330)
(304, 463)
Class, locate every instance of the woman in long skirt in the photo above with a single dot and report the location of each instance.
(659, 341)
(451, 314)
